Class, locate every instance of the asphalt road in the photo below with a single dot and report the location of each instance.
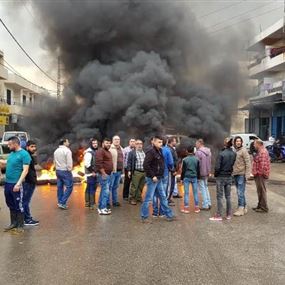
(78, 246)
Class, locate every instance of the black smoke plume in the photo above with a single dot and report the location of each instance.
(135, 68)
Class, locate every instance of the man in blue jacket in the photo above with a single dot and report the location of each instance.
(168, 166)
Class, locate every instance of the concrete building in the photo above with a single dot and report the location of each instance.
(267, 108)
(18, 96)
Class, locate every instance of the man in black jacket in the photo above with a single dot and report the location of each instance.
(154, 169)
(223, 174)
(29, 185)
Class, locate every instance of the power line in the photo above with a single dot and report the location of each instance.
(240, 15)
(219, 10)
(244, 20)
(10, 33)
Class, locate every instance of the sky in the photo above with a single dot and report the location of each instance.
(220, 18)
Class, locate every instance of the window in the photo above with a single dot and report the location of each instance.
(9, 97)
(24, 100)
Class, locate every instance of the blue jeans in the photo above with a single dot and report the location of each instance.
(153, 188)
(156, 212)
(194, 182)
(240, 182)
(203, 187)
(115, 182)
(105, 191)
(64, 178)
(28, 189)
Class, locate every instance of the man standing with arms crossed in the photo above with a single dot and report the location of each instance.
(154, 169)
(17, 167)
(104, 166)
(63, 165)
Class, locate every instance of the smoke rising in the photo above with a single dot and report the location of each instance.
(135, 68)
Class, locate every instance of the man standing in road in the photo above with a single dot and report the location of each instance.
(136, 172)
(154, 169)
(118, 165)
(172, 174)
(63, 165)
(104, 166)
(223, 173)
(204, 155)
(127, 179)
(260, 171)
(90, 172)
(17, 168)
(29, 185)
(241, 172)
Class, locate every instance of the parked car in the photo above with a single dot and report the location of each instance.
(247, 138)
(23, 136)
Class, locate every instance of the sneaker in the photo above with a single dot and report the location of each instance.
(117, 204)
(255, 208)
(99, 211)
(216, 218)
(261, 210)
(109, 211)
(171, 219)
(245, 210)
(133, 202)
(154, 216)
(171, 203)
(104, 212)
(185, 210)
(177, 196)
(87, 205)
(197, 209)
(228, 217)
(161, 216)
(31, 222)
(63, 207)
(205, 209)
(239, 212)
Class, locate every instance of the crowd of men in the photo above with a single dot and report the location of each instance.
(157, 166)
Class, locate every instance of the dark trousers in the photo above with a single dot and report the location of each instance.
(127, 182)
(223, 185)
(14, 200)
(261, 192)
(27, 197)
(90, 190)
(171, 185)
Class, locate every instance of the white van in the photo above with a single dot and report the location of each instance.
(247, 138)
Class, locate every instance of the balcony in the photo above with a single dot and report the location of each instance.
(3, 73)
(20, 83)
(266, 66)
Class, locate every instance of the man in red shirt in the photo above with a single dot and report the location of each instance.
(260, 171)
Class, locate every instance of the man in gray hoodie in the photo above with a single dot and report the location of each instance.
(204, 156)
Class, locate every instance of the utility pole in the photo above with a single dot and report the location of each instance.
(59, 78)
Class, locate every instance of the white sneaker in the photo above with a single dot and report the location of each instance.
(109, 211)
(105, 212)
(99, 211)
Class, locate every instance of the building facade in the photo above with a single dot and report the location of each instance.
(18, 97)
(267, 67)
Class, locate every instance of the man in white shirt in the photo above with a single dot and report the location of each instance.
(63, 165)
